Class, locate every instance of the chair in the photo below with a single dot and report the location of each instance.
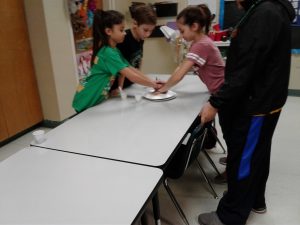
(186, 153)
(200, 144)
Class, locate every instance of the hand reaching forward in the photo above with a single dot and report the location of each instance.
(159, 84)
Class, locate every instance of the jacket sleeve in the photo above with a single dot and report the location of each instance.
(248, 53)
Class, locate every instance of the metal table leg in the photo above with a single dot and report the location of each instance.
(156, 209)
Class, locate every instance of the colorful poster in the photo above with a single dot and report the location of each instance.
(83, 63)
(84, 45)
(296, 5)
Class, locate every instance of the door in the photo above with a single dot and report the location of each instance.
(20, 106)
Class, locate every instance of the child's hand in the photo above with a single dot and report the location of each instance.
(162, 89)
(114, 93)
(158, 92)
(157, 87)
(160, 81)
(159, 84)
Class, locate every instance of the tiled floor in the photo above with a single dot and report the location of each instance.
(283, 199)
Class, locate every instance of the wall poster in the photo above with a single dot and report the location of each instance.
(296, 5)
(82, 15)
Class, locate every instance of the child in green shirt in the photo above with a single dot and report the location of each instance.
(107, 62)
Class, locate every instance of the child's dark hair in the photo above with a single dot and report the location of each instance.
(103, 20)
(196, 14)
(143, 14)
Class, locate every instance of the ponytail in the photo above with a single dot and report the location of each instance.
(98, 36)
(197, 14)
(102, 20)
(208, 16)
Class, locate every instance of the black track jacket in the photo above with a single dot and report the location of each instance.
(258, 61)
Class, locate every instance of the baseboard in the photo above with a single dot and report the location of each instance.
(6, 141)
(294, 92)
(44, 123)
(51, 123)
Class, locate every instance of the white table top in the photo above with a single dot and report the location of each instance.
(143, 132)
(39, 186)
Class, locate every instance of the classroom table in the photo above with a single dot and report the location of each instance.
(142, 132)
(39, 186)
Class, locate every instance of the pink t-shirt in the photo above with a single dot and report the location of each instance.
(209, 65)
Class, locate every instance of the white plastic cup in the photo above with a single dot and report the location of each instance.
(123, 95)
(138, 97)
(39, 136)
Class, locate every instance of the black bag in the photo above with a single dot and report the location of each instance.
(185, 153)
(188, 151)
(210, 140)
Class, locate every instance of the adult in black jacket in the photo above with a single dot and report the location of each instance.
(249, 104)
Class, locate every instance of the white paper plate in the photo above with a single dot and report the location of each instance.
(160, 97)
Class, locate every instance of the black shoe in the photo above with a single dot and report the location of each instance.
(223, 161)
(221, 179)
(209, 219)
(260, 210)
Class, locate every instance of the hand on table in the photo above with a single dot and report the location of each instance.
(159, 85)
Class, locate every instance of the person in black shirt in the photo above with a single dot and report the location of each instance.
(143, 23)
(249, 104)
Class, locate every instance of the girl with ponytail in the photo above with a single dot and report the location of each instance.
(108, 64)
(203, 57)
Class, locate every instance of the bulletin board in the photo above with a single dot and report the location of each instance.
(296, 5)
(296, 28)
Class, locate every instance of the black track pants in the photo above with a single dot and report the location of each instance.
(248, 140)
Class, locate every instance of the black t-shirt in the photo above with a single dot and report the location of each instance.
(132, 50)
